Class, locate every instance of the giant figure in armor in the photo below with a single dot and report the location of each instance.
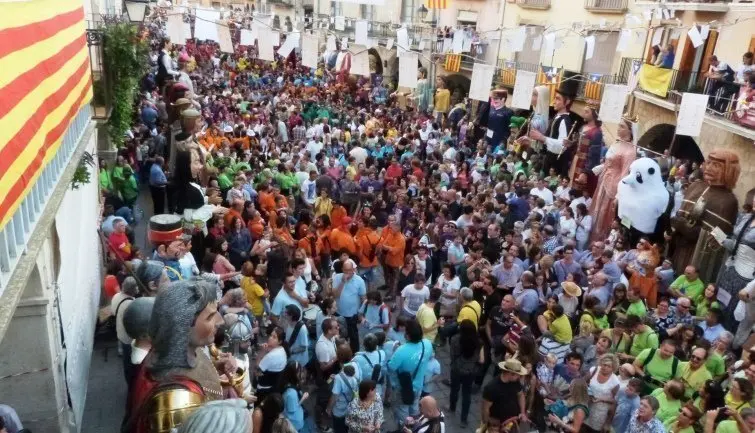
(739, 269)
(707, 204)
(177, 376)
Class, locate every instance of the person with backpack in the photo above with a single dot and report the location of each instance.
(293, 397)
(406, 371)
(657, 366)
(643, 337)
(375, 315)
(372, 362)
(345, 385)
(297, 335)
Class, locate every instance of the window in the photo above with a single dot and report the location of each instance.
(336, 9)
(528, 55)
(407, 11)
(603, 53)
(368, 12)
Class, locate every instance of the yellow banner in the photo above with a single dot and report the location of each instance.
(655, 80)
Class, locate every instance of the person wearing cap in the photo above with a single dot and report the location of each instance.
(498, 402)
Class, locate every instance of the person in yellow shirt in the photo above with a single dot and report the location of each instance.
(470, 309)
(693, 373)
(739, 395)
(442, 101)
(255, 294)
(426, 316)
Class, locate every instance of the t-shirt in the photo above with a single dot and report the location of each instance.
(671, 423)
(647, 339)
(693, 379)
(500, 321)
(658, 368)
(668, 409)
(274, 361)
(691, 289)
(504, 396)
(282, 299)
(638, 309)
(407, 358)
(413, 298)
(426, 318)
(299, 350)
(254, 294)
(561, 329)
(727, 426)
(344, 389)
(349, 301)
(470, 311)
(432, 370)
(715, 364)
(325, 349)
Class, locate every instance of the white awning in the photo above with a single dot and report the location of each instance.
(467, 16)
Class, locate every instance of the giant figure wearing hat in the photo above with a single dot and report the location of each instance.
(564, 124)
(494, 119)
(707, 204)
(178, 376)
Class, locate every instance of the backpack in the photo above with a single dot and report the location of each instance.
(350, 395)
(376, 369)
(382, 308)
(650, 382)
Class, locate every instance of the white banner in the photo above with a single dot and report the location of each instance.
(309, 50)
(691, 114)
(402, 40)
(175, 29)
(612, 103)
(525, 83)
(247, 37)
(224, 34)
(407, 70)
(204, 26)
(361, 30)
(265, 44)
(360, 60)
(457, 46)
(482, 78)
(291, 43)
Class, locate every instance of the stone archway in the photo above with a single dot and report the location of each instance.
(659, 138)
(458, 85)
(376, 62)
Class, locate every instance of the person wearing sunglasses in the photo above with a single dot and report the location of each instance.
(694, 374)
(685, 421)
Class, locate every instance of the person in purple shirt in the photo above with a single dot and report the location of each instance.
(567, 266)
(610, 268)
(601, 289)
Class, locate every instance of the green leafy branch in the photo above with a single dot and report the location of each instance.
(82, 176)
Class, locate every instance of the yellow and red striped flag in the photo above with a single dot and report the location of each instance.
(437, 4)
(453, 62)
(45, 81)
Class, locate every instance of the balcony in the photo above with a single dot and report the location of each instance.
(15, 235)
(686, 5)
(534, 4)
(607, 6)
(477, 54)
(726, 111)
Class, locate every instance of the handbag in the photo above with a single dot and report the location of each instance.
(405, 381)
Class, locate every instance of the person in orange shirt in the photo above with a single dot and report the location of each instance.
(237, 207)
(282, 231)
(367, 240)
(256, 225)
(337, 214)
(308, 242)
(392, 243)
(341, 239)
(266, 199)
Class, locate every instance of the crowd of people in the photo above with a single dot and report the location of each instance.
(319, 238)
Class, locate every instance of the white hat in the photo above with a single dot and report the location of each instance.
(228, 129)
(250, 132)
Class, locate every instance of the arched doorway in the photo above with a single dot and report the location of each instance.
(659, 138)
(458, 85)
(376, 62)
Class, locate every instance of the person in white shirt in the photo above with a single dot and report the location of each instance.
(745, 67)
(313, 147)
(413, 296)
(562, 191)
(567, 225)
(359, 153)
(309, 189)
(543, 192)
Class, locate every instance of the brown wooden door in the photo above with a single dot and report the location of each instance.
(710, 48)
(751, 48)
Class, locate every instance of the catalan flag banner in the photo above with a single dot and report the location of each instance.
(437, 4)
(45, 80)
(453, 62)
(655, 80)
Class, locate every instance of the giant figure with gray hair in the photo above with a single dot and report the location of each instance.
(177, 377)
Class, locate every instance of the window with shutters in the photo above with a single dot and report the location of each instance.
(367, 12)
(603, 53)
(528, 53)
(407, 11)
(336, 9)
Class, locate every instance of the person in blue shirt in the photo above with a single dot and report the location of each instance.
(345, 387)
(410, 358)
(518, 206)
(296, 335)
(370, 360)
(712, 327)
(432, 372)
(349, 290)
(627, 402)
(287, 296)
(157, 184)
(293, 397)
(298, 266)
(375, 314)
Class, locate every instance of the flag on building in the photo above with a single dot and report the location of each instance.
(634, 74)
(45, 82)
(654, 79)
(437, 4)
(453, 62)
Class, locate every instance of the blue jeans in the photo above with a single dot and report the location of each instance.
(401, 410)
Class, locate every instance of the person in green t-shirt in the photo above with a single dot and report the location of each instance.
(685, 421)
(689, 285)
(658, 366)
(738, 422)
(694, 374)
(669, 400)
(636, 304)
(643, 337)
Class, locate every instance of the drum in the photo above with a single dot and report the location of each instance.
(165, 228)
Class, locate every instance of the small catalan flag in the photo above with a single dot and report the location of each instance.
(437, 4)
(453, 62)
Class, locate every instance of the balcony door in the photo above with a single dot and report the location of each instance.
(694, 63)
(603, 54)
(529, 55)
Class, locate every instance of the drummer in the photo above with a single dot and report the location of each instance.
(167, 237)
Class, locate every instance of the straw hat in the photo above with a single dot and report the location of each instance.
(513, 366)
(571, 289)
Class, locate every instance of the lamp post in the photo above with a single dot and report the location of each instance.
(422, 12)
(136, 11)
